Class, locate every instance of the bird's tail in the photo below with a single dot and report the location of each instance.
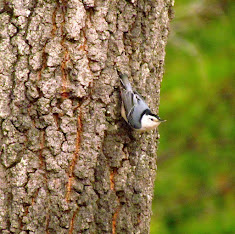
(124, 80)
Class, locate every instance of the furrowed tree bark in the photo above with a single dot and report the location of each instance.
(69, 162)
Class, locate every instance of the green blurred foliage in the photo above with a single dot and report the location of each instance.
(194, 192)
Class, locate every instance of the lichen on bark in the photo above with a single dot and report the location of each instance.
(69, 163)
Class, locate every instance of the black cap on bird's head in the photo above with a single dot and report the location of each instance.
(156, 117)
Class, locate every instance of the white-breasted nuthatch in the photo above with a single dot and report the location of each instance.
(134, 109)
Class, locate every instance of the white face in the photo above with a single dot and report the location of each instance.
(149, 122)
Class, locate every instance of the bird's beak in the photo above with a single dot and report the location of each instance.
(162, 120)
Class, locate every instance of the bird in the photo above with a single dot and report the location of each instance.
(134, 109)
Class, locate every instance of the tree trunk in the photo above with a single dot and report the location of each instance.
(69, 162)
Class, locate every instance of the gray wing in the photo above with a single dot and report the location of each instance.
(134, 106)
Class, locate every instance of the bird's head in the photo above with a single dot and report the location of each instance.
(150, 121)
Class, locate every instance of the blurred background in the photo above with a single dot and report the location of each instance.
(194, 190)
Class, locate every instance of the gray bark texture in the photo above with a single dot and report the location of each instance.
(69, 162)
